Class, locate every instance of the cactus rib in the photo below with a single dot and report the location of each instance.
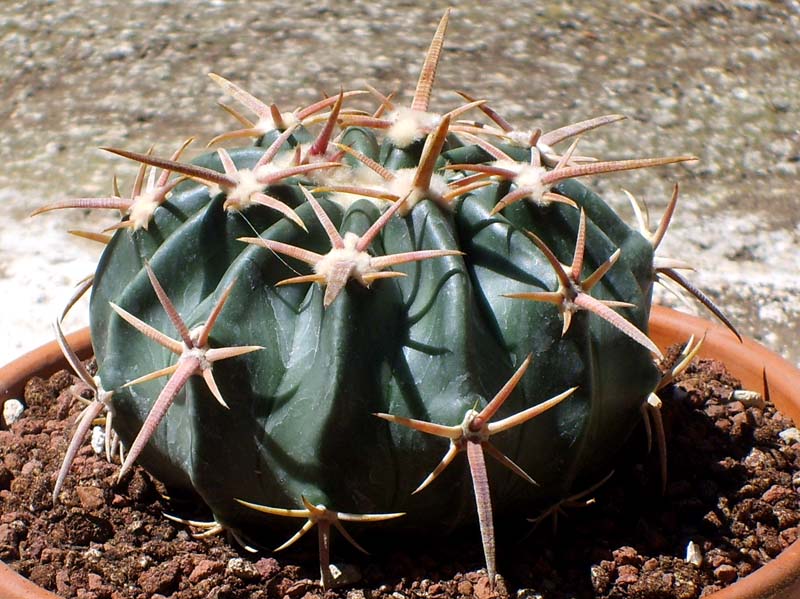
(472, 436)
(195, 358)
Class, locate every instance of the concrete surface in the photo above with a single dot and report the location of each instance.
(718, 79)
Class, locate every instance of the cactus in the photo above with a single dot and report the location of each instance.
(339, 315)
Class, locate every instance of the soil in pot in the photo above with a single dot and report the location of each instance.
(731, 493)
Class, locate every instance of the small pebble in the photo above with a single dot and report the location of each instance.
(694, 555)
(748, 398)
(726, 573)
(91, 498)
(735, 407)
(94, 581)
(242, 568)
(627, 574)
(31, 467)
(204, 569)
(12, 411)
(267, 567)
(98, 440)
(344, 574)
(790, 435)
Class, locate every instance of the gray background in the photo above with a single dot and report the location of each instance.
(711, 78)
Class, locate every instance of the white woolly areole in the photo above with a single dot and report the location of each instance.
(328, 155)
(240, 197)
(403, 185)
(194, 335)
(143, 208)
(272, 171)
(266, 123)
(528, 177)
(290, 119)
(266, 171)
(544, 148)
(344, 259)
(519, 138)
(358, 176)
(523, 140)
(198, 353)
(345, 200)
(510, 165)
(102, 395)
(410, 125)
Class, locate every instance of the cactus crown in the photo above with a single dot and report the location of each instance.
(334, 312)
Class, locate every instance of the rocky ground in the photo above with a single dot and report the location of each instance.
(718, 79)
(730, 505)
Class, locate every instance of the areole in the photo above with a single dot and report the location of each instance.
(758, 368)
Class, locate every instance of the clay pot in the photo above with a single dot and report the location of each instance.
(42, 362)
(778, 381)
(758, 368)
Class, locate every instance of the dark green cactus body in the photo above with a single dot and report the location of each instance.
(430, 346)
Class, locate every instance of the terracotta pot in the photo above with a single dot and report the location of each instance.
(43, 362)
(758, 368)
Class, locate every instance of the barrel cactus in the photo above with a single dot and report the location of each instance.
(311, 329)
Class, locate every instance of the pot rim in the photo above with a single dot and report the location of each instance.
(758, 368)
(42, 361)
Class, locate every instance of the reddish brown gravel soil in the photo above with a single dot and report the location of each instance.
(732, 491)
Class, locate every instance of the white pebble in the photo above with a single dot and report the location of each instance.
(790, 435)
(98, 440)
(344, 574)
(12, 411)
(242, 568)
(693, 554)
(751, 399)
